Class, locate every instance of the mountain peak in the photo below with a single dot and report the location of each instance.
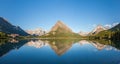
(98, 29)
(60, 26)
(59, 21)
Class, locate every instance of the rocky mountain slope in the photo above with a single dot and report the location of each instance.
(6, 27)
(61, 30)
(97, 29)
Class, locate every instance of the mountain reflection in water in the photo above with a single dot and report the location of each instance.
(63, 48)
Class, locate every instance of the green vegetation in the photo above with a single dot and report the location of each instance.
(61, 31)
(59, 35)
(107, 34)
(111, 34)
(3, 41)
(3, 35)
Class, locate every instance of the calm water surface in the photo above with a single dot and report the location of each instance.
(59, 52)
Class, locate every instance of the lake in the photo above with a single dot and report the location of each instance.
(61, 51)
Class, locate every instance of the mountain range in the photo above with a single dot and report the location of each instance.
(100, 29)
(83, 33)
(111, 34)
(8, 28)
(58, 30)
(36, 32)
(95, 31)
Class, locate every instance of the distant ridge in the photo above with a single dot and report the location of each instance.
(36, 32)
(115, 28)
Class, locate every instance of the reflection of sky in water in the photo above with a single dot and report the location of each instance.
(82, 52)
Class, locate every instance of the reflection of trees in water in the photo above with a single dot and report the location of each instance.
(5, 47)
(115, 44)
(2, 41)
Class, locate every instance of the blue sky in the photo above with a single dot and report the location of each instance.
(79, 15)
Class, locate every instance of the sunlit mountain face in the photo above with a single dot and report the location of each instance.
(59, 30)
(98, 29)
(60, 25)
